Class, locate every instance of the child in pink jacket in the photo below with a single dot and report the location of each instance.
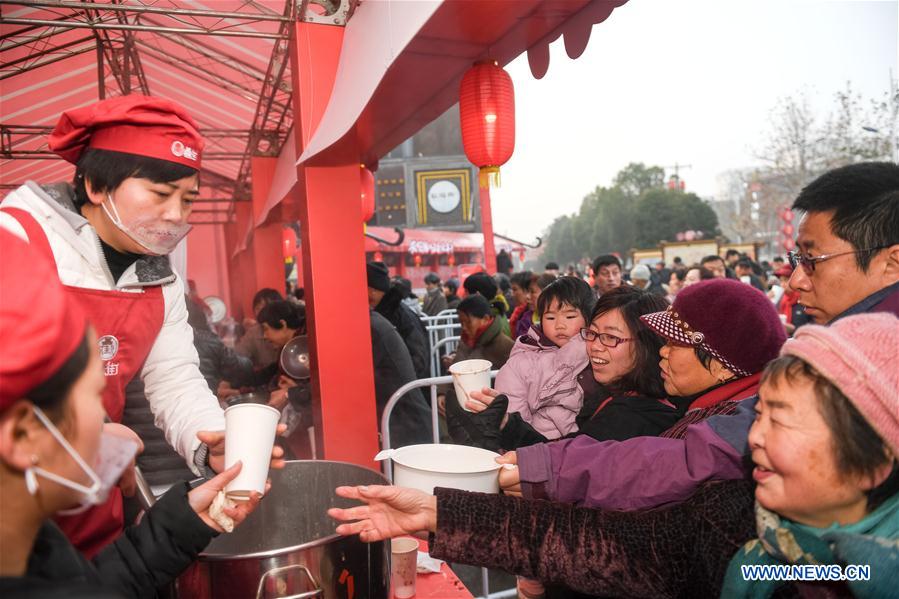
(540, 377)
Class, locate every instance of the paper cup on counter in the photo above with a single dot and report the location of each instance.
(468, 376)
(249, 437)
(403, 566)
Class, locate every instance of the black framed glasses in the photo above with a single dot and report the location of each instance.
(808, 262)
(606, 339)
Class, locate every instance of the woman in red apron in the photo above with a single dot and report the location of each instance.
(137, 172)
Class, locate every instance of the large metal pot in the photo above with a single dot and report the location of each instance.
(287, 548)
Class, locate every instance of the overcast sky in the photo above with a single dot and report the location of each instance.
(687, 81)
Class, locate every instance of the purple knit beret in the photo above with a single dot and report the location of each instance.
(732, 321)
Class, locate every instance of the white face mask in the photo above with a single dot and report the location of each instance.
(114, 455)
(156, 236)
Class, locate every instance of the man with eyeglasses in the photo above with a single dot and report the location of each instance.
(847, 257)
(847, 263)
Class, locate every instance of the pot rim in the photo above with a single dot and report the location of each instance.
(224, 557)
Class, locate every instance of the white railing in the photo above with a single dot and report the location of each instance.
(439, 327)
(433, 383)
(387, 465)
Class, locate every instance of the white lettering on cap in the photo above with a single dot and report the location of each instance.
(180, 150)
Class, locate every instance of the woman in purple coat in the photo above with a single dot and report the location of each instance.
(825, 495)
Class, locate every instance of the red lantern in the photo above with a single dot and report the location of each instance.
(378, 257)
(788, 244)
(487, 112)
(288, 243)
(417, 259)
(368, 194)
(788, 230)
(451, 260)
(521, 255)
(788, 215)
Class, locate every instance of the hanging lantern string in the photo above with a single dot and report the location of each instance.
(488, 176)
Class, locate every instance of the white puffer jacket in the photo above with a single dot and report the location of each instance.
(178, 395)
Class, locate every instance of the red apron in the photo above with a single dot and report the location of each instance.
(127, 324)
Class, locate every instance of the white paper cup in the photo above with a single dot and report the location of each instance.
(403, 566)
(249, 437)
(468, 376)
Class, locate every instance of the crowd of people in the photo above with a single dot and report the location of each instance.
(667, 429)
(748, 440)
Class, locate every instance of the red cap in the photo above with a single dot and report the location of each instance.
(41, 325)
(139, 125)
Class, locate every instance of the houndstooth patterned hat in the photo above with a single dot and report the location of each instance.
(732, 321)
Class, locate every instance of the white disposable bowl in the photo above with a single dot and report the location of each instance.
(424, 467)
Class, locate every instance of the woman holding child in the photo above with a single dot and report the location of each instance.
(718, 335)
(826, 492)
(565, 378)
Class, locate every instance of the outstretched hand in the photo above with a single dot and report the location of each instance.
(201, 498)
(388, 512)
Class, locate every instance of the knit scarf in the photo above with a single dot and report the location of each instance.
(472, 340)
(872, 541)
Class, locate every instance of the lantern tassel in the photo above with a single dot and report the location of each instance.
(488, 176)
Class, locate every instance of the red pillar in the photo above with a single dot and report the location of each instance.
(487, 228)
(268, 257)
(333, 254)
(243, 275)
(207, 262)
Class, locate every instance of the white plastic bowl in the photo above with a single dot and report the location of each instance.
(424, 467)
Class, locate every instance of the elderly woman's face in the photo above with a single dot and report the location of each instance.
(682, 372)
(471, 324)
(795, 463)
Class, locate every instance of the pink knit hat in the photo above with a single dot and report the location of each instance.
(858, 354)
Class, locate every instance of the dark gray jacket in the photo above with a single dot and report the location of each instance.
(409, 327)
(145, 557)
(410, 422)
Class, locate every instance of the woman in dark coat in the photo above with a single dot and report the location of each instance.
(482, 333)
(51, 426)
(410, 422)
(627, 398)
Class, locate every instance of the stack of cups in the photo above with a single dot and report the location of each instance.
(249, 437)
